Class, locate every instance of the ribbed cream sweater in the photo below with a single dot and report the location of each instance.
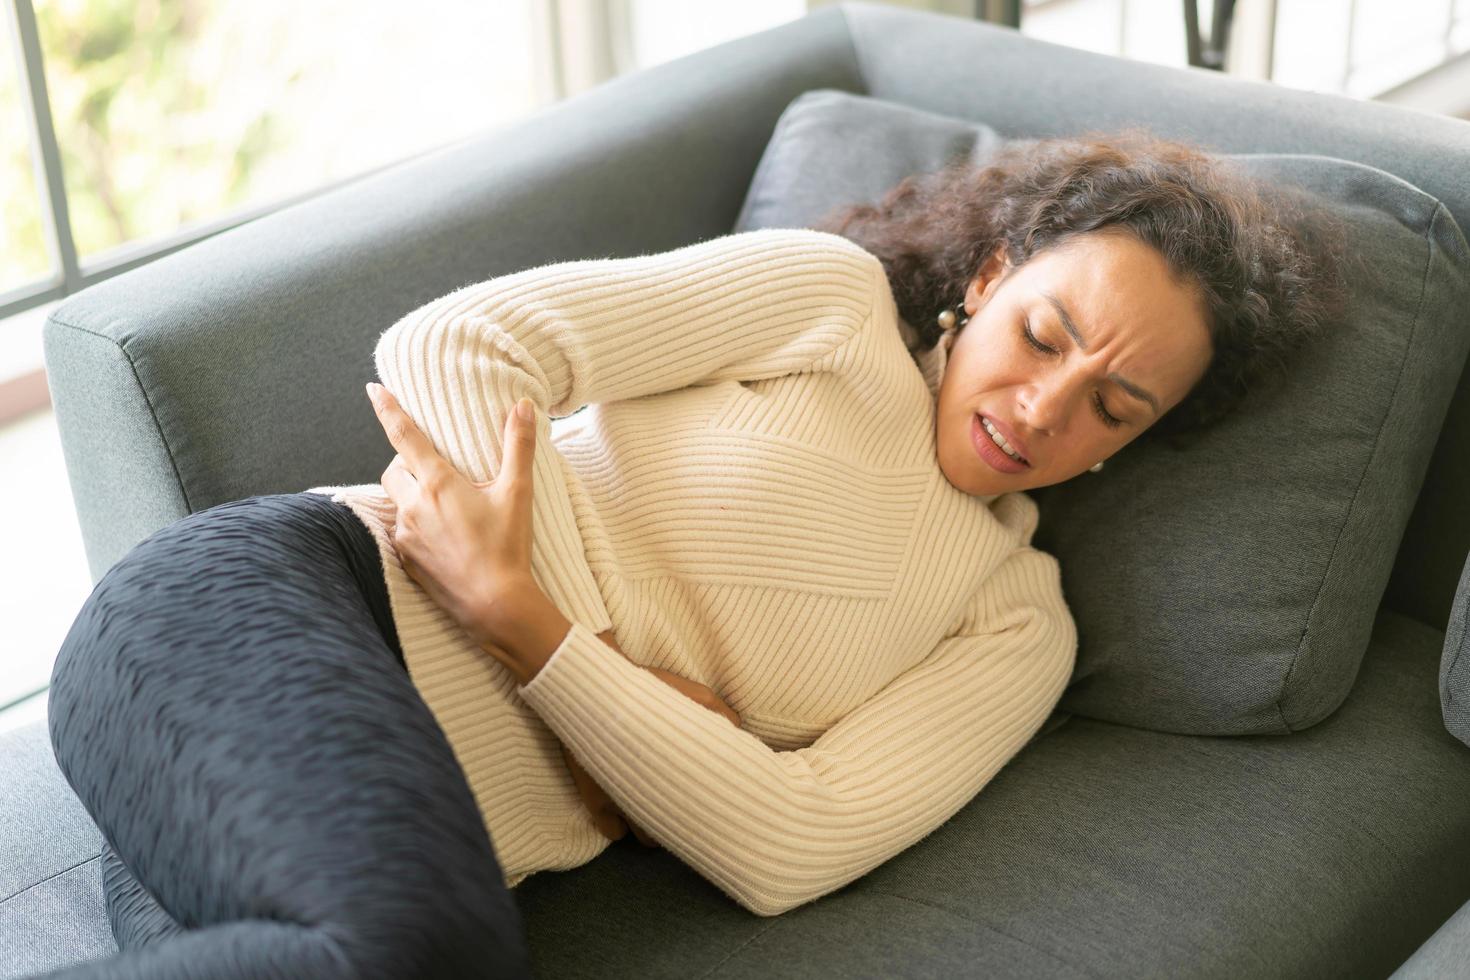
(750, 499)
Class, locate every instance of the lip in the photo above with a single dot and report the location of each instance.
(989, 451)
(1009, 434)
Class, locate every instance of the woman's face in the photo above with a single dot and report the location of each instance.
(1143, 344)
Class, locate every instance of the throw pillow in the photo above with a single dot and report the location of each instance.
(1229, 588)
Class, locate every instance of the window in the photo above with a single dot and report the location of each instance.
(23, 252)
(663, 30)
(1363, 49)
(1359, 48)
(169, 120)
(1144, 30)
(171, 113)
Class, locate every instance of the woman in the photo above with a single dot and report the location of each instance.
(326, 733)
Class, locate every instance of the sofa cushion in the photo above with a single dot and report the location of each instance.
(1229, 588)
(52, 912)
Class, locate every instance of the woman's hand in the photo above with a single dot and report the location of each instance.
(467, 544)
(606, 814)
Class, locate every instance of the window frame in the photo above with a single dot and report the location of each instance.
(68, 273)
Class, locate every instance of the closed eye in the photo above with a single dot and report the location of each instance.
(1107, 417)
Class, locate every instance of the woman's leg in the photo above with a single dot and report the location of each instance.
(231, 708)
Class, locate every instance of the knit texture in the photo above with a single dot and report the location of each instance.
(750, 499)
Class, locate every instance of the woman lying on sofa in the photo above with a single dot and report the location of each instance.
(770, 601)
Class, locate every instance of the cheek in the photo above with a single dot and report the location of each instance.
(989, 364)
(986, 368)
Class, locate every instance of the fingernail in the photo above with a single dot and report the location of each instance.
(372, 392)
(523, 407)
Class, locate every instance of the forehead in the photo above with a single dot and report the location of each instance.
(1115, 283)
(1122, 296)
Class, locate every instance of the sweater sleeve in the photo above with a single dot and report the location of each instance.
(747, 306)
(775, 829)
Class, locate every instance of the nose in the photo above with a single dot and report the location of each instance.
(1046, 403)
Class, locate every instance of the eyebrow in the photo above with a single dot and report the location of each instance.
(1140, 393)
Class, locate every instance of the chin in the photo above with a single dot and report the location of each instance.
(978, 480)
(1021, 481)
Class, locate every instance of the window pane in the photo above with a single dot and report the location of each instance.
(1310, 51)
(1394, 41)
(667, 29)
(1094, 25)
(23, 252)
(172, 112)
(1153, 31)
(1385, 28)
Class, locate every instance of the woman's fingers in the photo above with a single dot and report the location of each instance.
(701, 694)
(399, 483)
(520, 449)
(728, 712)
(596, 798)
(420, 456)
(514, 486)
(606, 816)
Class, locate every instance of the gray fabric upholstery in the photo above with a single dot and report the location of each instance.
(833, 148)
(1222, 610)
(51, 906)
(1454, 665)
(170, 397)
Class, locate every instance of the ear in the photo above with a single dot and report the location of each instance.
(991, 272)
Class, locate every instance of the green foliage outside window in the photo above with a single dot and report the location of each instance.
(135, 88)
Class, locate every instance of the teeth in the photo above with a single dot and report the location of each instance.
(1000, 440)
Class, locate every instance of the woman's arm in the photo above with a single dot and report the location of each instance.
(760, 304)
(775, 829)
(606, 814)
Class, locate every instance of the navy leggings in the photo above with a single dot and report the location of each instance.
(232, 707)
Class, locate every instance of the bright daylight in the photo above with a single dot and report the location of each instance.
(499, 486)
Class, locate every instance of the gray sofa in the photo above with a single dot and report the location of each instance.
(235, 367)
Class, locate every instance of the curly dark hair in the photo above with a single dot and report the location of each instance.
(1270, 262)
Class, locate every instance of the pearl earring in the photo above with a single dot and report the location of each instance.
(1095, 467)
(946, 318)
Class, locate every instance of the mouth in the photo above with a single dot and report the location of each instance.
(1003, 430)
(981, 429)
